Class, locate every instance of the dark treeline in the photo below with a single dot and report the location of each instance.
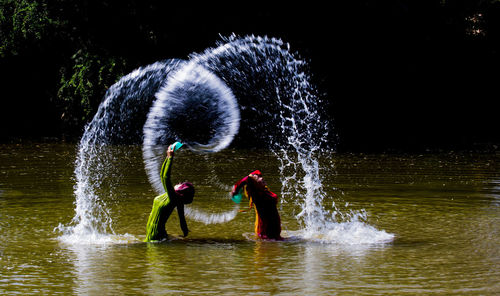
(398, 75)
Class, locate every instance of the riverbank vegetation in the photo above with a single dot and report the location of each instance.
(396, 72)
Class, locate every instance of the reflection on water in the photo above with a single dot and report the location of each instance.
(443, 209)
(495, 191)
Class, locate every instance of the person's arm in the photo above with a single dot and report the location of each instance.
(166, 168)
(182, 219)
(240, 184)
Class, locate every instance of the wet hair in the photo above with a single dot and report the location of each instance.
(186, 191)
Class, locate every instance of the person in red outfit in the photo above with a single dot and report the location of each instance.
(267, 218)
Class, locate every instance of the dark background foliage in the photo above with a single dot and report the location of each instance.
(399, 75)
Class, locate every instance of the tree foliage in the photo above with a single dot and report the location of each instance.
(23, 23)
(82, 85)
(64, 54)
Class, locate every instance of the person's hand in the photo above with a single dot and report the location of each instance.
(170, 151)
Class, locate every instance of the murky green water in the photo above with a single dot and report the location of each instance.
(444, 211)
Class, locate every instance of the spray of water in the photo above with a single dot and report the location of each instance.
(281, 108)
(197, 108)
(255, 82)
(123, 109)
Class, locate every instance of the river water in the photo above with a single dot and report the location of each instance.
(441, 210)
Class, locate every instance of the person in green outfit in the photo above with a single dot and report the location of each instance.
(164, 204)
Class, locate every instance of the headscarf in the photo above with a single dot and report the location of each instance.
(186, 192)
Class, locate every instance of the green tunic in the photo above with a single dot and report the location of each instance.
(163, 205)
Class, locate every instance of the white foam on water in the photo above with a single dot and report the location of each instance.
(345, 233)
(95, 238)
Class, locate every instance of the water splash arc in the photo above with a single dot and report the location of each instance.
(122, 109)
(192, 106)
(252, 81)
